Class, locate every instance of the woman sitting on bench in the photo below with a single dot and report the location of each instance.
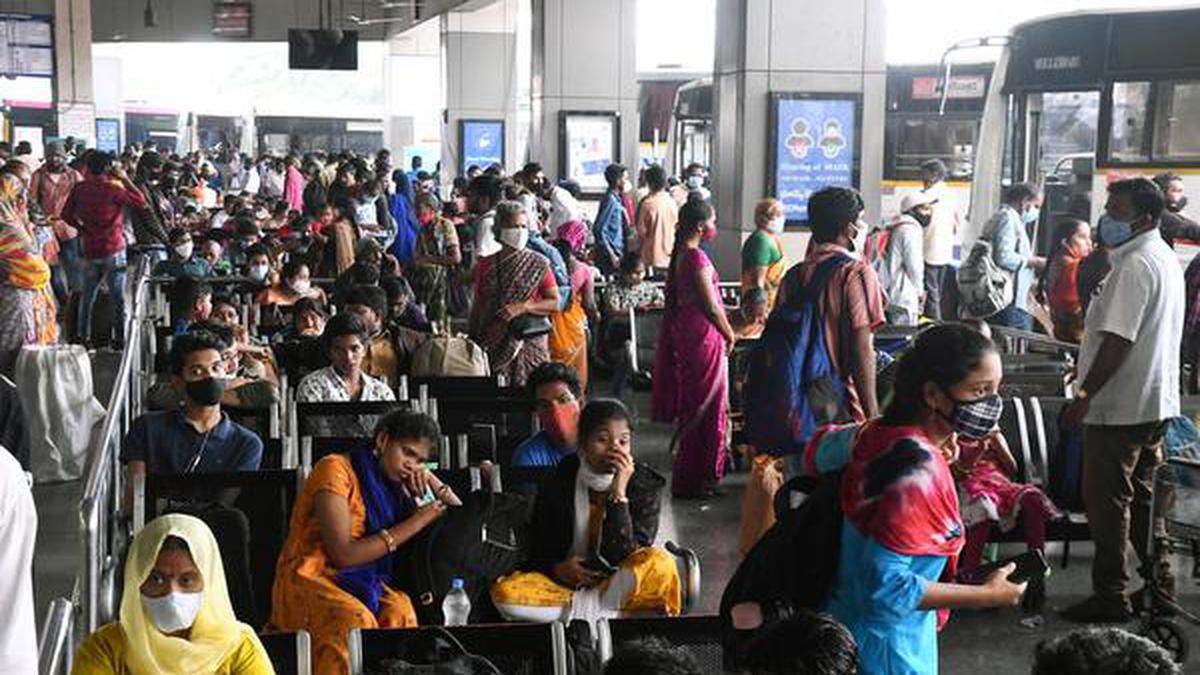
(175, 611)
(595, 521)
(335, 571)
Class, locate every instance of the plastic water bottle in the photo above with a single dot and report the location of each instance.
(456, 608)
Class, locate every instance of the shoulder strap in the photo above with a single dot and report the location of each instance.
(822, 274)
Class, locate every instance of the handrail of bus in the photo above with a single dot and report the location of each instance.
(101, 494)
(944, 65)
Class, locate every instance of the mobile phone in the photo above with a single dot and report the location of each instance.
(598, 564)
(1030, 565)
(426, 498)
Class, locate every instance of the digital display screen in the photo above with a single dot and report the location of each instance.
(815, 145)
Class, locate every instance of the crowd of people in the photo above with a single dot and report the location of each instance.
(337, 270)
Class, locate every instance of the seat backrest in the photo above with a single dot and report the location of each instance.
(330, 418)
(444, 388)
(699, 636)
(272, 457)
(290, 653)
(514, 648)
(1013, 430)
(265, 497)
(513, 421)
(315, 448)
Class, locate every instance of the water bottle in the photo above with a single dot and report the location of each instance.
(456, 608)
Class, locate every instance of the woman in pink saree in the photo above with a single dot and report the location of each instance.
(690, 363)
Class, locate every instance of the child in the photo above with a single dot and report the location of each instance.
(630, 291)
(988, 496)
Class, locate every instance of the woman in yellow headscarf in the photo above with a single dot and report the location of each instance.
(175, 613)
(26, 302)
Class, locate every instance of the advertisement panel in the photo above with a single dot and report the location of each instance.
(815, 144)
(590, 141)
(481, 143)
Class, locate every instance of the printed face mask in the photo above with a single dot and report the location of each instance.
(975, 419)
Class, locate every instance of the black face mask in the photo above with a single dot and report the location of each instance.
(1176, 207)
(205, 392)
(922, 218)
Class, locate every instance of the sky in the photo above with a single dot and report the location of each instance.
(912, 37)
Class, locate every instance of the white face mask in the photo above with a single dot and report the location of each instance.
(695, 182)
(259, 272)
(173, 612)
(775, 225)
(516, 237)
(184, 250)
(302, 286)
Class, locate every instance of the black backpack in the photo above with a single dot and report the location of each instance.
(477, 542)
(435, 652)
(793, 566)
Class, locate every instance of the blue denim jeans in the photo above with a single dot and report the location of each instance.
(71, 264)
(112, 268)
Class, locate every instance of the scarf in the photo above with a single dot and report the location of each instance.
(574, 233)
(897, 489)
(386, 504)
(587, 480)
(216, 633)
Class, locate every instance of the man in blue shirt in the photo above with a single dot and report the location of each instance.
(557, 399)
(611, 221)
(200, 438)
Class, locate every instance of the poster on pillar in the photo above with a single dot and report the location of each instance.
(588, 142)
(481, 143)
(814, 144)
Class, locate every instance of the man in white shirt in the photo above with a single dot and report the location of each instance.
(1129, 389)
(483, 194)
(18, 529)
(940, 235)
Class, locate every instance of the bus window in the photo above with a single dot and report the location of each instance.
(1177, 121)
(925, 137)
(1067, 127)
(1127, 137)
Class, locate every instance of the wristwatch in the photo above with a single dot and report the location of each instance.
(1082, 394)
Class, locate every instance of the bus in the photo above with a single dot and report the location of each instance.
(1080, 100)
(917, 128)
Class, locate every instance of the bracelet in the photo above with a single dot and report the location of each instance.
(388, 540)
(617, 500)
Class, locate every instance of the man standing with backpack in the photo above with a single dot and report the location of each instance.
(850, 301)
(902, 267)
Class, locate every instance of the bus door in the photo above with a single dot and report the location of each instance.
(1058, 151)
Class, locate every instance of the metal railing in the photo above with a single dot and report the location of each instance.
(56, 645)
(102, 488)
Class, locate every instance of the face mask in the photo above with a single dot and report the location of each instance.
(1176, 207)
(173, 612)
(710, 233)
(695, 182)
(425, 218)
(922, 218)
(561, 422)
(775, 225)
(975, 419)
(302, 286)
(1031, 216)
(1114, 232)
(515, 237)
(184, 250)
(205, 392)
(593, 480)
(859, 232)
(627, 186)
(259, 272)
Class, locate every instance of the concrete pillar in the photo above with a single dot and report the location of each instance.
(805, 46)
(584, 59)
(74, 95)
(487, 76)
(413, 90)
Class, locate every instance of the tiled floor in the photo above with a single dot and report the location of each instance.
(991, 642)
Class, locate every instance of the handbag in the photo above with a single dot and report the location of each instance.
(526, 326)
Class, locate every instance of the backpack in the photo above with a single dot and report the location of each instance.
(449, 356)
(876, 247)
(793, 566)
(476, 542)
(792, 389)
(434, 651)
(983, 288)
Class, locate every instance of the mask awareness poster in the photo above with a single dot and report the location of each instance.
(482, 143)
(815, 145)
(590, 145)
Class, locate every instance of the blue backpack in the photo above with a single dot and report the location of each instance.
(792, 389)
